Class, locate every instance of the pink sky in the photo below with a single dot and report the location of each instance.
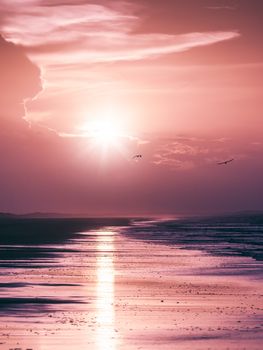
(85, 85)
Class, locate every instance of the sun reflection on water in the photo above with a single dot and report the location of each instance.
(105, 291)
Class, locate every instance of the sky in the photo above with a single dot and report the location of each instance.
(88, 84)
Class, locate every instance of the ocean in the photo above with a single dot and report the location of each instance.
(235, 235)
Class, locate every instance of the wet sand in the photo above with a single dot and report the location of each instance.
(104, 290)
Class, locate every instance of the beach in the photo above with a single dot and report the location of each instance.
(101, 288)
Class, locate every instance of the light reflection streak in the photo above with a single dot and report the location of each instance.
(105, 334)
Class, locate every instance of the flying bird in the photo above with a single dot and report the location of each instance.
(225, 162)
(136, 156)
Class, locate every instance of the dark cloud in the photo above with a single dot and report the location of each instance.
(20, 145)
(20, 80)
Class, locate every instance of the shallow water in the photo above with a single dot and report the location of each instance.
(231, 235)
(102, 289)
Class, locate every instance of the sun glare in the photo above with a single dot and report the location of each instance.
(105, 135)
(105, 132)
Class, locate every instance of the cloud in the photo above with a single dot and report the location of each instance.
(178, 153)
(20, 81)
(216, 8)
(27, 23)
(66, 38)
(183, 153)
(173, 163)
(91, 33)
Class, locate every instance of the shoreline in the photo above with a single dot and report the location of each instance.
(130, 294)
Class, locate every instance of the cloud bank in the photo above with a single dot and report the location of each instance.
(67, 38)
(81, 32)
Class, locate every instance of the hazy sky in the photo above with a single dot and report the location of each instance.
(87, 84)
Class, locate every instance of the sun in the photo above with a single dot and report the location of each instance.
(107, 131)
(103, 133)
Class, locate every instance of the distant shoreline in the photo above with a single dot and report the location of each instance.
(55, 215)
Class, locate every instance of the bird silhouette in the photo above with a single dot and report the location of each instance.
(225, 162)
(136, 156)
